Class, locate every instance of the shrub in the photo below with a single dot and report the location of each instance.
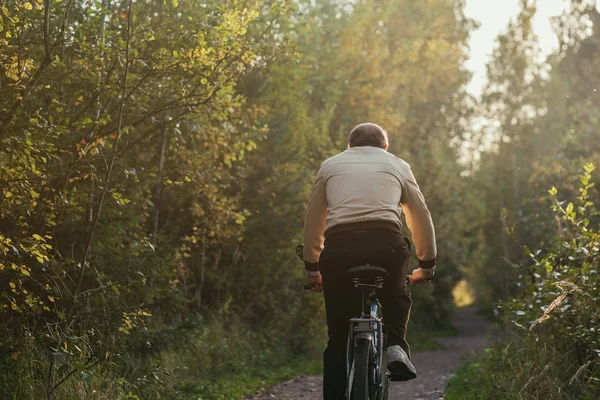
(551, 343)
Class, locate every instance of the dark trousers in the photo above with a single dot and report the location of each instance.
(342, 251)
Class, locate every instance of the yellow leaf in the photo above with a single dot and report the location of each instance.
(51, 299)
(28, 6)
(36, 236)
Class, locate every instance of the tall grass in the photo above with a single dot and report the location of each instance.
(210, 358)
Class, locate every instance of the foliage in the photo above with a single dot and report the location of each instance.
(542, 126)
(155, 162)
(550, 347)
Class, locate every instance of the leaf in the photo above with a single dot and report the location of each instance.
(569, 209)
(589, 167)
(28, 6)
(37, 237)
(51, 298)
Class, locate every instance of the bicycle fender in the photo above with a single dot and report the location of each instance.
(364, 336)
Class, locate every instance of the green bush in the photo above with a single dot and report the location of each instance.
(551, 342)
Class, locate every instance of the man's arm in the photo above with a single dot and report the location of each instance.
(419, 221)
(314, 224)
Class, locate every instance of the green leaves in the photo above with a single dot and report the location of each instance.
(569, 209)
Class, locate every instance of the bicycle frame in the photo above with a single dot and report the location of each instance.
(368, 327)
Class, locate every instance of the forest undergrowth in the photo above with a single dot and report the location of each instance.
(549, 334)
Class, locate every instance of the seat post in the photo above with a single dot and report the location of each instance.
(356, 282)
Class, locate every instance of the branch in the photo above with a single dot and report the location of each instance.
(88, 245)
(47, 61)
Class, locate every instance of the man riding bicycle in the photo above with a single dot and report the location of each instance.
(354, 218)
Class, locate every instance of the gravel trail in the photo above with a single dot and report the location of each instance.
(434, 367)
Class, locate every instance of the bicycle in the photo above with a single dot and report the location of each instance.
(366, 366)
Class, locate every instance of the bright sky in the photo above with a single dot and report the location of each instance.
(494, 16)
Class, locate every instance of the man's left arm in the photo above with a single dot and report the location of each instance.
(418, 219)
(314, 225)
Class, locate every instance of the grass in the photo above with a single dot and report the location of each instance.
(476, 380)
(521, 370)
(249, 383)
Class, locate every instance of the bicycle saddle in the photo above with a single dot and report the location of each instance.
(367, 272)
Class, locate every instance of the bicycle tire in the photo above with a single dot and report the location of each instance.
(361, 385)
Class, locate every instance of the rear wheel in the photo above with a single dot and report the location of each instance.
(361, 386)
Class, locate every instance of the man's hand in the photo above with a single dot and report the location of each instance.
(315, 281)
(421, 275)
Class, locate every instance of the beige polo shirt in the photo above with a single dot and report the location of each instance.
(366, 184)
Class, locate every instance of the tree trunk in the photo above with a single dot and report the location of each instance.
(159, 185)
(200, 270)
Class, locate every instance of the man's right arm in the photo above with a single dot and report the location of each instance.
(314, 225)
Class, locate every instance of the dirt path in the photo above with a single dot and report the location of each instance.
(434, 367)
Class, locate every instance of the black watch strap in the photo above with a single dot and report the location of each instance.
(313, 267)
(427, 264)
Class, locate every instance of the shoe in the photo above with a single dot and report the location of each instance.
(399, 365)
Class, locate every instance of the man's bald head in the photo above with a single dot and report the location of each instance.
(368, 135)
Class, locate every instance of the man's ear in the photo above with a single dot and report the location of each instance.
(386, 147)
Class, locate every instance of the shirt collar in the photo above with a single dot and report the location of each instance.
(366, 149)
